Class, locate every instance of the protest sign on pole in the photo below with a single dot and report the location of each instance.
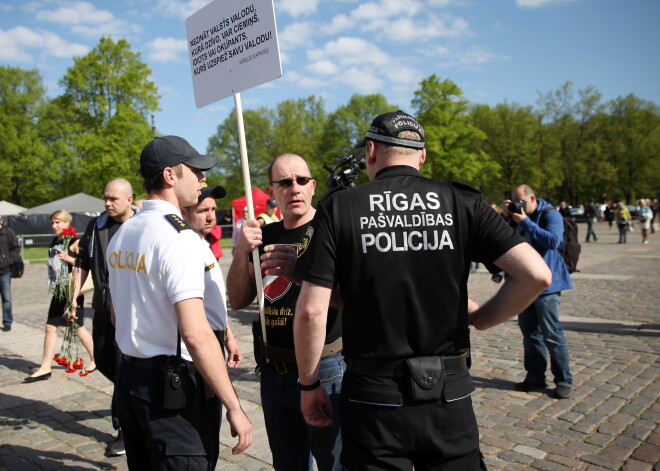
(232, 47)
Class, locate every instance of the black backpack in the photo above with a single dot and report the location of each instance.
(570, 248)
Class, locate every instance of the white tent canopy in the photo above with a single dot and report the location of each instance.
(8, 209)
(78, 203)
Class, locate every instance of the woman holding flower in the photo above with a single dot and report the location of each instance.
(62, 252)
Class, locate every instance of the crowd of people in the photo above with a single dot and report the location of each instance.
(355, 342)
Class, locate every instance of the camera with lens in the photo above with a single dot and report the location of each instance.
(344, 174)
(516, 206)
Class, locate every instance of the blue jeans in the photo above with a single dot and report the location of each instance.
(590, 229)
(5, 292)
(541, 329)
(623, 232)
(293, 442)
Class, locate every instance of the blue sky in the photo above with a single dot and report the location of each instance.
(494, 50)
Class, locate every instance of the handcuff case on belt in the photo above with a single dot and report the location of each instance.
(426, 378)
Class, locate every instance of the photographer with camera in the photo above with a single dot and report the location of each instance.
(543, 227)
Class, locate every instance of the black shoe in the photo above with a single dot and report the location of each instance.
(563, 392)
(527, 386)
(32, 379)
(116, 447)
(6, 328)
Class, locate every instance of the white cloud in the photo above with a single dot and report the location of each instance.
(76, 13)
(323, 68)
(85, 19)
(15, 43)
(364, 81)
(338, 24)
(296, 8)
(349, 51)
(540, 3)
(295, 35)
(181, 9)
(386, 9)
(406, 29)
(471, 58)
(166, 49)
(305, 81)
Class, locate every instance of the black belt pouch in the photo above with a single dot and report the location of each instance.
(426, 378)
(174, 377)
(257, 341)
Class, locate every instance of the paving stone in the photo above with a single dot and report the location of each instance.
(516, 457)
(647, 452)
(530, 451)
(602, 461)
(550, 466)
(634, 465)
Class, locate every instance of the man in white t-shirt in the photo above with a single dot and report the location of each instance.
(157, 262)
(201, 218)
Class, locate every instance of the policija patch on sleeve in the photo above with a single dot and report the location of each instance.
(178, 223)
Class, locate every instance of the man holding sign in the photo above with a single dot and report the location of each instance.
(291, 441)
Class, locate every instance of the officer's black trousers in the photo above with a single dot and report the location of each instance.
(106, 355)
(436, 435)
(158, 439)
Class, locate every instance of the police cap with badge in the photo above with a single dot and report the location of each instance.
(170, 151)
(385, 128)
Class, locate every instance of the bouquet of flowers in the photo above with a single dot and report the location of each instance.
(62, 286)
(61, 281)
(70, 355)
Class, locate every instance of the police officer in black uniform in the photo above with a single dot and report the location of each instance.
(400, 249)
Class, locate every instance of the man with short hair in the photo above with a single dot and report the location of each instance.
(543, 228)
(10, 251)
(291, 441)
(400, 248)
(268, 216)
(201, 218)
(93, 246)
(157, 262)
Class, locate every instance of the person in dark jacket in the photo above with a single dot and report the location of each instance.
(118, 197)
(9, 252)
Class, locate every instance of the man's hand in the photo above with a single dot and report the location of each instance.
(280, 260)
(249, 238)
(471, 306)
(517, 217)
(234, 356)
(240, 426)
(316, 407)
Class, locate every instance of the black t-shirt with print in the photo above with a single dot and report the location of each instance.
(281, 295)
(400, 249)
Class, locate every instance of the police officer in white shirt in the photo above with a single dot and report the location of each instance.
(158, 263)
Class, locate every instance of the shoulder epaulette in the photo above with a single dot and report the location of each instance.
(178, 223)
(464, 186)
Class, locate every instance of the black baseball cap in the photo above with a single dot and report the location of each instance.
(386, 126)
(170, 151)
(272, 203)
(216, 192)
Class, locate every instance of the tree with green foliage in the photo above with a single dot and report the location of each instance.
(511, 144)
(108, 97)
(631, 138)
(569, 149)
(224, 144)
(294, 127)
(24, 161)
(451, 137)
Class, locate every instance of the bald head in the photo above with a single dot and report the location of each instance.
(118, 196)
(526, 193)
(122, 185)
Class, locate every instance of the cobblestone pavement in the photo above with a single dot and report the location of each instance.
(612, 323)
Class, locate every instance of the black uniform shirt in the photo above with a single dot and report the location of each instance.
(281, 295)
(400, 249)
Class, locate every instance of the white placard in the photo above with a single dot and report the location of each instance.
(232, 46)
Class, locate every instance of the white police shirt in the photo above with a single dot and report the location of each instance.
(152, 265)
(214, 290)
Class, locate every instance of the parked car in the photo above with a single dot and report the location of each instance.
(577, 214)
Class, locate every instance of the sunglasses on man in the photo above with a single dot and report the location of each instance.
(287, 182)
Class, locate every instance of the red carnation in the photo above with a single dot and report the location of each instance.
(84, 373)
(69, 231)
